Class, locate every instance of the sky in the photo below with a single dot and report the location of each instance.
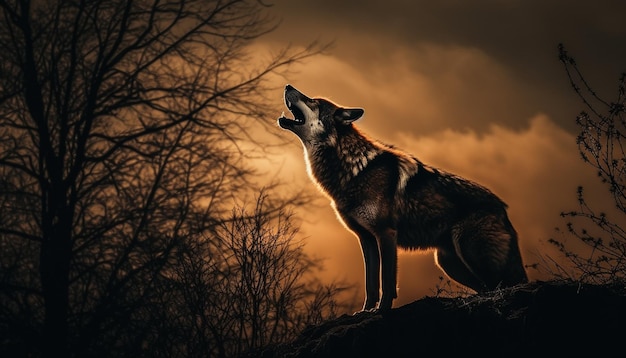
(474, 88)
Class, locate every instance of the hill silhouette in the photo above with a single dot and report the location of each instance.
(538, 318)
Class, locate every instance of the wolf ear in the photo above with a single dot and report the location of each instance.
(348, 115)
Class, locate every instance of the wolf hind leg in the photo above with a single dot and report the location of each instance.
(457, 270)
(487, 244)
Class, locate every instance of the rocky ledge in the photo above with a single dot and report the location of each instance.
(537, 319)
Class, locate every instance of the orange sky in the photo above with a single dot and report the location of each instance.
(476, 90)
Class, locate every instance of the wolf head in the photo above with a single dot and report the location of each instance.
(316, 120)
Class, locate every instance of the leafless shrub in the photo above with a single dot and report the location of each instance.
(601, 142)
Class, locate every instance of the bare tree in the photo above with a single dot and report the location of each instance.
(601, 142)
(118, 129)
(252, 287)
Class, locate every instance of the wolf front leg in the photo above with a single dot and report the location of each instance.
(389, 260)
(371, 259)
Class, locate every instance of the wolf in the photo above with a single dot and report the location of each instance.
(390, 199)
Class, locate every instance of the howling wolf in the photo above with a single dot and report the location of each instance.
(389, 198)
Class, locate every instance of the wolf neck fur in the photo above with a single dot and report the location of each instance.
(333, 164)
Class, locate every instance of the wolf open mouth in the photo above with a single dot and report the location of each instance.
(298, 116)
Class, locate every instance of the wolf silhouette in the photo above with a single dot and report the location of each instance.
(390, 199)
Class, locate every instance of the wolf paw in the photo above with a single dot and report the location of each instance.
(369, 311)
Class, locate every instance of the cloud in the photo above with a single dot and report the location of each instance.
(518, 39)
(510, 30)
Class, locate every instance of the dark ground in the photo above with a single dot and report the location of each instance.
(533, 320)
